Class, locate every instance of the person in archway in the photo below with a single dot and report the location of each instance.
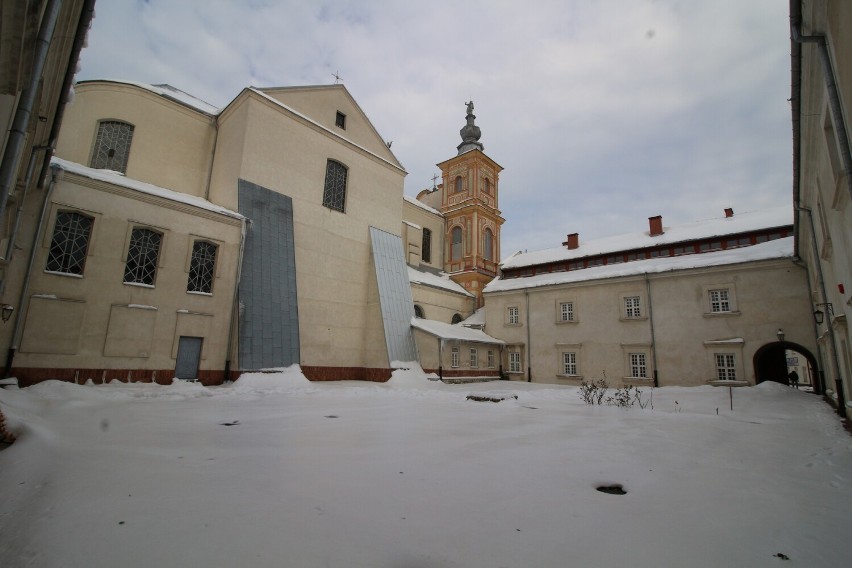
(794, 378)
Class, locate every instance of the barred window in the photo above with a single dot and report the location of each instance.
(334, 193)
(202, 267)
(631, 307)
(569, 363)
(719, 301)
(112, 146)
(70, 243)
(726, 369)
(142, 257)
(638, 368)
(426, 249)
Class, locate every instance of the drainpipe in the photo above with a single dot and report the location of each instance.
(18, 131)
(833, 97)
(10, 248)
(819, 381)
(83, 25)
(212, 157)
(23, 303)
(235, 301)
(529, 346)
(440, 359)
(653, 337)
(838, 380)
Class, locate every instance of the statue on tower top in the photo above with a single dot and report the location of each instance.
(470, 133)
(470, 107)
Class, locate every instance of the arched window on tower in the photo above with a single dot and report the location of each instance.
(459, 185)
(487, 185)
(418, 311)
(456, 246)
(488, 245)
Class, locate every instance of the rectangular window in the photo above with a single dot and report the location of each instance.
(112, 146)
(334, 190)
(142, 257)
(455, 357)
(638, 368)
(201, 267)
(340, 120)
(514, 361)
(569, 363)
(426, 249)
(514, 318)
(719, 301)
(69, 244)
(631, 307)
(490, 358)
(566, 311)
(474, 358)
(726, 367)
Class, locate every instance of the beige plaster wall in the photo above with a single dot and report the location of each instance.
(414, 238)
(769, 296)
(441, 305)
(172, 145)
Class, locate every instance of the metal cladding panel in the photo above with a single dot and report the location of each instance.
(269, 315)
(395, 297)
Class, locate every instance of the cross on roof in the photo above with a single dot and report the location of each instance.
(434, 179)
(337, 77)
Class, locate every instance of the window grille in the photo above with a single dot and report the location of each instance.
(569, 363)
(334, 192)
(70, 243)
(201, 267)
(112, 146)
(638, 368)
(142, 257)
(726, 367)
(340, 120)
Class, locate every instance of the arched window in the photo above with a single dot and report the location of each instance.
(334, 191)
(458, 184)
(112, 146)
(456, 247)
(426, 248)
(488, 245)
(418, 311)
(202, 267)
(487, 186)
(457, 318)
(143, 256)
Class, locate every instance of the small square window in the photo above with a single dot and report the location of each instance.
(569, 364)
(726, 368)
(719, 301)
(514, 316)
(632, 308)
(638, 366)
(566, 311)
(340, 120)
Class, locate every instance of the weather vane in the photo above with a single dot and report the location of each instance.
(337, 77)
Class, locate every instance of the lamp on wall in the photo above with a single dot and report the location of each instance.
(6, 312)
(819, 315)
(780, 334)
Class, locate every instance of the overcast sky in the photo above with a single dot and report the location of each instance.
(603, 113)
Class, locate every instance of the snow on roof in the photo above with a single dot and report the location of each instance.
(778, 248)
(420, 204)
(169, 92)
(453, 331)
(436, 281)
(119, 179)
(410, 224)
(717, 227)
(476, 318)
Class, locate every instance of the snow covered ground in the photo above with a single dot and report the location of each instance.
(276, 471)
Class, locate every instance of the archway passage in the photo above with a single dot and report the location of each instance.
(775, 361)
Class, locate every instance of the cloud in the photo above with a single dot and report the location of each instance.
(602, 113)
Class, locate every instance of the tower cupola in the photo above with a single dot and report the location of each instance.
(470, 133)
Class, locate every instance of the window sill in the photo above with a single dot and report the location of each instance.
(718, 383)
(513, 325)
(642, 318)
(194, 293)
(68, 274)
(647, 381)
(139, 285)
(562, 322)
(722, 314)
(576, 378)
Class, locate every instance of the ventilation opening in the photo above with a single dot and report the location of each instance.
(614, 489)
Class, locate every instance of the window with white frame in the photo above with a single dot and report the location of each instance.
(719, 301)
(112, 146)
(638, 366)
(142, 257)
(474, 357)
(334, 190)
(514, 361)
(70, 243)
(490, 358)
(513, 315)
(455, 357)
(726, 369)
(202, 267)
(632, 308)
(569, 363)
(566, 311)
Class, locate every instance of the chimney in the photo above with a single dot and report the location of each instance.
(656, 225)
(729, 212)
(573, 241)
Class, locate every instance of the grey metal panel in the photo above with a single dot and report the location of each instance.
(188, 357)
(395, 297)
(269, 315)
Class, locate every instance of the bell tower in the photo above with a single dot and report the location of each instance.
(469, 204)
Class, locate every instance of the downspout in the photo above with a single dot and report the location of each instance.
(235, 301)
(440, 359)
(18, 131)
(212, 157)
(83, 25)
(819, 382)
(838, 380)
(653, 337)
(23, 304)
(529, 346)
(833, 97)
(10, 248)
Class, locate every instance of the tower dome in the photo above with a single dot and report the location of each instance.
(470, 133)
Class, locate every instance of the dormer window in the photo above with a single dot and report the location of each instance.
(340, 120)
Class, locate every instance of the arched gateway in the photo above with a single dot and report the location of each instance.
(771, 364)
